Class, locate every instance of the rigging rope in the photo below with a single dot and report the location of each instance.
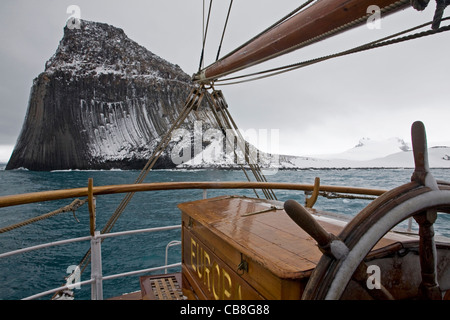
(194, 100)
(290, 14)
(224, 29)
(255, 167)
(389, 40)
(77, 203)
(337, 30)
(217, 120)
(224, 119)
(225, 122)
(205, 32)
(223, 127)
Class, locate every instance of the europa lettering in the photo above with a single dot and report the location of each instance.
(214, 277)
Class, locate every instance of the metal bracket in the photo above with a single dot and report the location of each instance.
(243, 266)
(272, 208)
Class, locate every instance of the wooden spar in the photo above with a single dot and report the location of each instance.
(318, 21)
(14, 200)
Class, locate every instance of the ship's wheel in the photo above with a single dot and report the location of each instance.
(344, 255)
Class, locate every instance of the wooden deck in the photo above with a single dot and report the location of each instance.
(129, 296)
(162, 287)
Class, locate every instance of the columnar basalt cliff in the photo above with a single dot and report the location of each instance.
(102, 102)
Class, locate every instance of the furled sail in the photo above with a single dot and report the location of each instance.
(316, 22)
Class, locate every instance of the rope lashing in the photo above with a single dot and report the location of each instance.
(192, 103)
(224, 29)
(420, 5)
(440, 7)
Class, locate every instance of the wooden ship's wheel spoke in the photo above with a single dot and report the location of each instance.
(344, 255)
(429, 288)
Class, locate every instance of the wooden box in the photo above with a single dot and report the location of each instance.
(243, 248)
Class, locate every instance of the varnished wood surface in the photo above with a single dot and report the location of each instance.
(317, 22)
(19, 199)
(271, 237)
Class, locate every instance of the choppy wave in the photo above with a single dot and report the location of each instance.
(88, 170)
(46, 269)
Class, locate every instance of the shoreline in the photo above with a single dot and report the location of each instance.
(3, 166)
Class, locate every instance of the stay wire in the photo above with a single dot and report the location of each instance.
(226, 122)
(344, 27)
(389, 40)
(205, 32)
(286, 17)
(194, 99)
(258, 173)
(222, 126)
(224, 29)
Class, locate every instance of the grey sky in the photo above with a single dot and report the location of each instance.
(323, 108)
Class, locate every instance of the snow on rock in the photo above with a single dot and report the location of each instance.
(5, 153)
(368, 149)
(102, 102)
(391, 153)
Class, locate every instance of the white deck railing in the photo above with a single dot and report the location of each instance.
(95, 237)
(97, 276)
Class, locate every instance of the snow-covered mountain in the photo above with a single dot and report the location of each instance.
(390, 153)
(103, 101)
(368, 149)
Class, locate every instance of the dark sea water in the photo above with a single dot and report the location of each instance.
(29, 273)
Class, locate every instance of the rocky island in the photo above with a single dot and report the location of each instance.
(102, 102)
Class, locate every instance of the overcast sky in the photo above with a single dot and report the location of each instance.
(324, 108)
